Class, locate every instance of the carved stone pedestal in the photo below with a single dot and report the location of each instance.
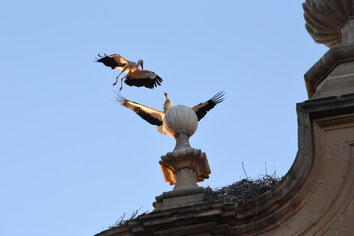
(183, 168)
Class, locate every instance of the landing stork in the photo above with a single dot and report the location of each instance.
(156, 117)
(134, 76)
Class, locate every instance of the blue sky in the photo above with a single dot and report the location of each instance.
(72, 161)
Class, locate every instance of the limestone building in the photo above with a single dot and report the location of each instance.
(316, 196)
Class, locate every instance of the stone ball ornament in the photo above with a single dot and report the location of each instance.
(181, 119)
(325, 19)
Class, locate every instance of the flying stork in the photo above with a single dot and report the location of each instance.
(134, 76)
(156, 117)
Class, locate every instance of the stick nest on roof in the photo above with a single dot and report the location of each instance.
(243, 191)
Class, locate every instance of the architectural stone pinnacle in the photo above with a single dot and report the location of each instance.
(184, 166)
(331, 22)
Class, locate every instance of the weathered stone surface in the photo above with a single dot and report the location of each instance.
(340, 81)
(179, 201)
(181, 118)
(333, 74)
(183, 168)
(326, 18)
(192, 159)
(347, 31)
(331, 22)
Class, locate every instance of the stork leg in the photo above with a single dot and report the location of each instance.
(117, 79)
(121, 82)
(115, 82)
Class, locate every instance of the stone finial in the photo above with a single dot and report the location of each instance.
(181, 121)
(325, 18)
(184, 166)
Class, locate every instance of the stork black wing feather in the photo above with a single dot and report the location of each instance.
(202, 108)
(109, 61)
(134, 106)
(146, 82)
(152, 120)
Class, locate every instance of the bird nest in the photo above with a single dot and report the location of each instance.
(243, 191)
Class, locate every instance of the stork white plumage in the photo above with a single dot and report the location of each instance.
(134, 76)
(156, 117)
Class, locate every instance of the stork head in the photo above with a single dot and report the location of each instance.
(141, 63)
(165, 95)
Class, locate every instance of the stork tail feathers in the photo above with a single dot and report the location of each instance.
(162, 131)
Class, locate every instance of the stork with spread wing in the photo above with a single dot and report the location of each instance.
(156, 117)
(134, 76)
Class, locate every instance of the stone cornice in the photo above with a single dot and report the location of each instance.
(323, 67)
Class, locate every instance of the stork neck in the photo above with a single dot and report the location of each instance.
(139, 63)
(167, 104)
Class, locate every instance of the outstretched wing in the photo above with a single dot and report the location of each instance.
(115, 61)
(202, 108)
(151, 115)
(144, 78)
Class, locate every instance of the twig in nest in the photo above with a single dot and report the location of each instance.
(244, 171)
(122, 220)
